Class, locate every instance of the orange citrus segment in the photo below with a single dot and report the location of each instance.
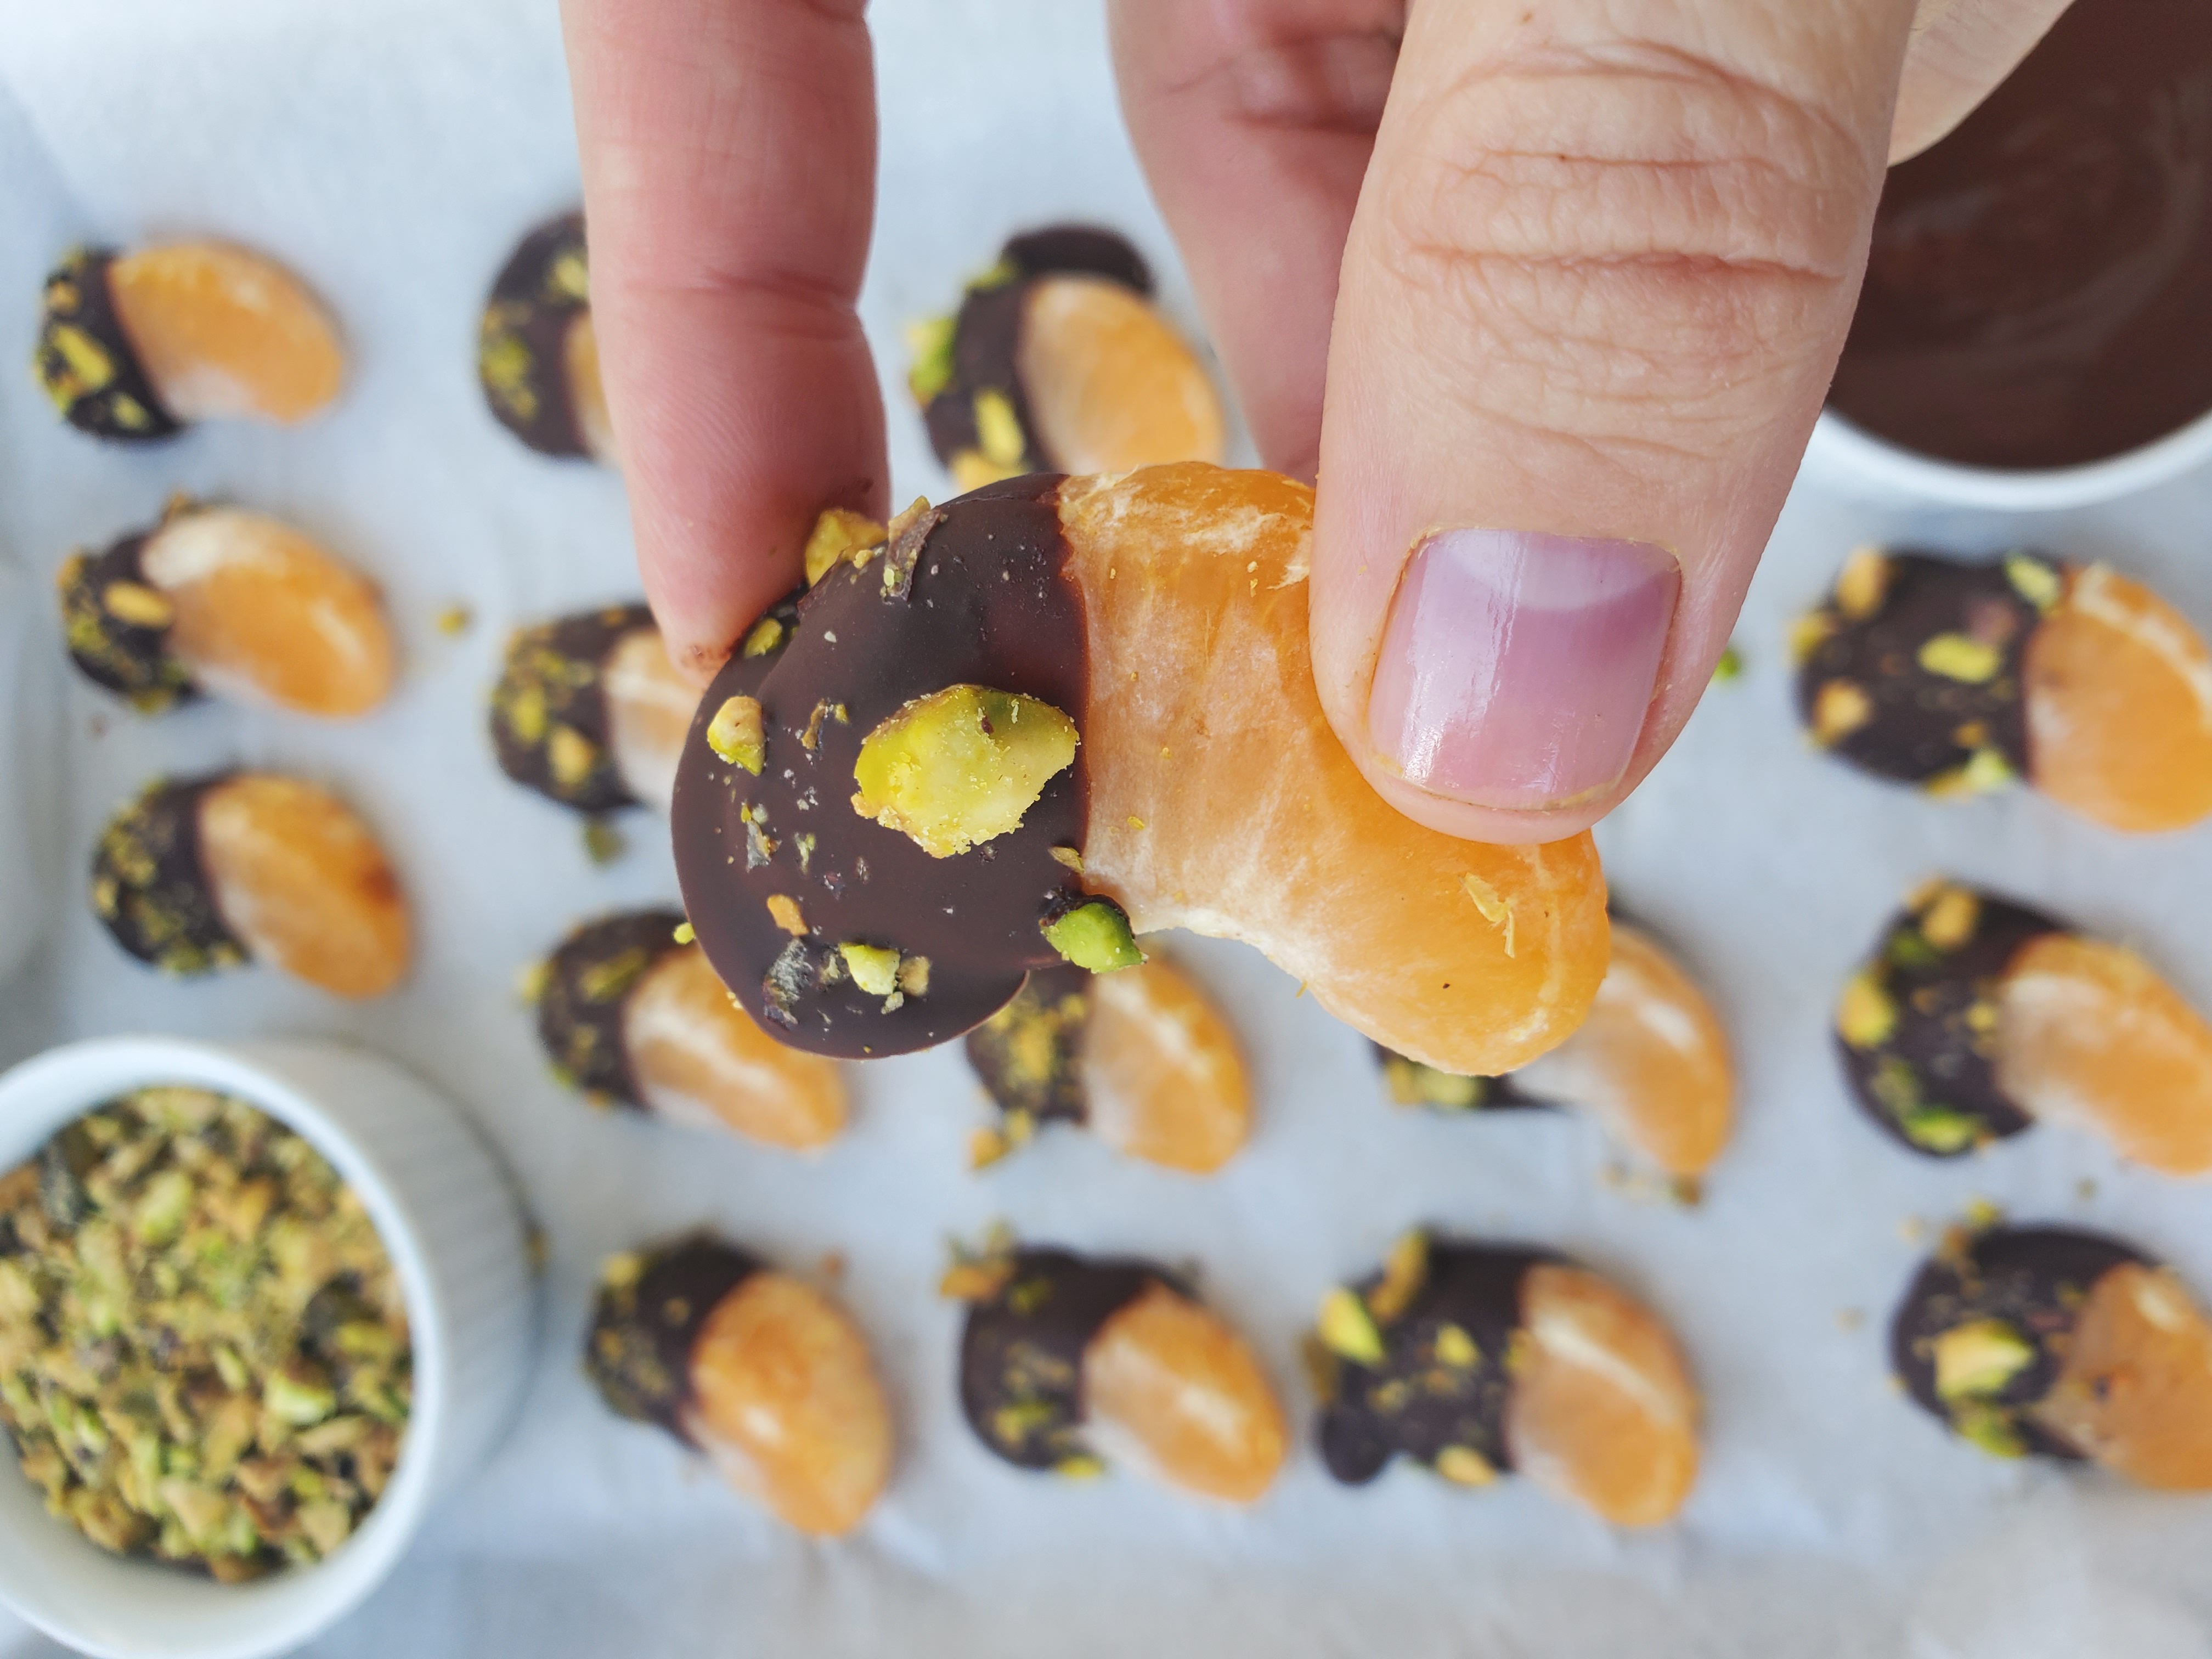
(302, 880)
(2088, 1035)
(649, 710)
(2135, 1391)
(1167, 1083)
(1222, 802)
(587, 396)
(263, 612)
(2118, 690)
(1651, 1062)
(1601, 1409)
(1168, 1385)
(223, 332)
(1111, 386)
(699, 1060)
(787, 1403)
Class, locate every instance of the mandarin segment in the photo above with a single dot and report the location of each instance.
(1166, 1082)
(2090, 1035)
(259, 611)
(225, 332)
(649, 708)
(1222, 802)
(587, 396)
(300, 880)
(786, 1402)
(1168, 1380)
(699, 1060)
(2135, 1389)
(1111, 387)
(1602, 1410)
(1651, 1063)
(2118, 690)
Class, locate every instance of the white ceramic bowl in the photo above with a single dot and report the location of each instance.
(451, 1222)
(1846, 457)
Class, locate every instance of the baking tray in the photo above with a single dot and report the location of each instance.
(393, 150)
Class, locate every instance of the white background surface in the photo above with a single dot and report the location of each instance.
(392, 151)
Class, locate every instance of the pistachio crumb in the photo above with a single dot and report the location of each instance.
(736, 734)
(1070, 857)
(784, 910)
(1862, 583)
(1347, 1329)
(455, 620)
(836, 536)
(684, 933)
(874, 967)
(766, 634)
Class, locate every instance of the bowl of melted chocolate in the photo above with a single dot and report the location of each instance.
(2033, 329)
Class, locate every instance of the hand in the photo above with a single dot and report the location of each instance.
(1575, 274)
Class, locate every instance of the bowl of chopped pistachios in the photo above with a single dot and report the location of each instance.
(262, 1305)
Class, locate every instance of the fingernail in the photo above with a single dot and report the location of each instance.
(1517, 668)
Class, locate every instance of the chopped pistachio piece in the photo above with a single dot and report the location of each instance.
(1962, 657)
(764, 636)
(961, 766)
(1865, 1015)
(1975, 1361)
(837, 535)
(1463, 1466)
(1346, 1328)
(1094, 934)
(736, 734)
(874, 967)
(2034, 581)
(1939, 1129)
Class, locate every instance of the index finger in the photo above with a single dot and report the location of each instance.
(729, 151)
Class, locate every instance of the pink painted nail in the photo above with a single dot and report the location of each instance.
(1517, 668)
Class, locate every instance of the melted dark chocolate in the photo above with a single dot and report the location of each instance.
(645, 1327)
(1021, 1352)
(989, 603)
(1932, 1081)
(150, 887)
(1029, 1054)
(125, 657)
(2033, 1278)
(588, 982)
(549, 712)
(1414, 1403)
(2036, 292)
(1926, 726)
(85, 362)
(522, 349)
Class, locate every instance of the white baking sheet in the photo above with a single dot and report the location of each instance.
(393, 150)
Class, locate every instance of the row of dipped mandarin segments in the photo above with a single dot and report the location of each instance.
(1964, 1052)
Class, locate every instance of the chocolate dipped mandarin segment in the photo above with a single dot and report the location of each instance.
(589, 712)
(1912, 668)
(1057, 360)
(2119, 707)
(2055, 1342)
(633, 1017)
(137, 345)
(536, 352)
(210, 873)
(1478, 1361)
(763, 1374)
(1165, 613)
(1066, 1360)
(1916, 1025)
(1140, 1057)
(235, 604)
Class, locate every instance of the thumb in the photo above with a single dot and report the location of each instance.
(1599, 275)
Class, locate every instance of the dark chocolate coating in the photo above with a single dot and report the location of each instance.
(1935, 1059)
(1021, 1352)
(1080, 251)
(2033, 1278)
(85, 362)
(1492, 1094)
(550, 683)
(643, 1332)
(1029, 1054)
(990, 603)
(2035, 292)
(1924, 726)
(1414, 1404)
(150, 888)
(987, 334)
(522, 347)
(588, 982)
(125, 657)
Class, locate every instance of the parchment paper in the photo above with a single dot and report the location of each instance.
(392, 151)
